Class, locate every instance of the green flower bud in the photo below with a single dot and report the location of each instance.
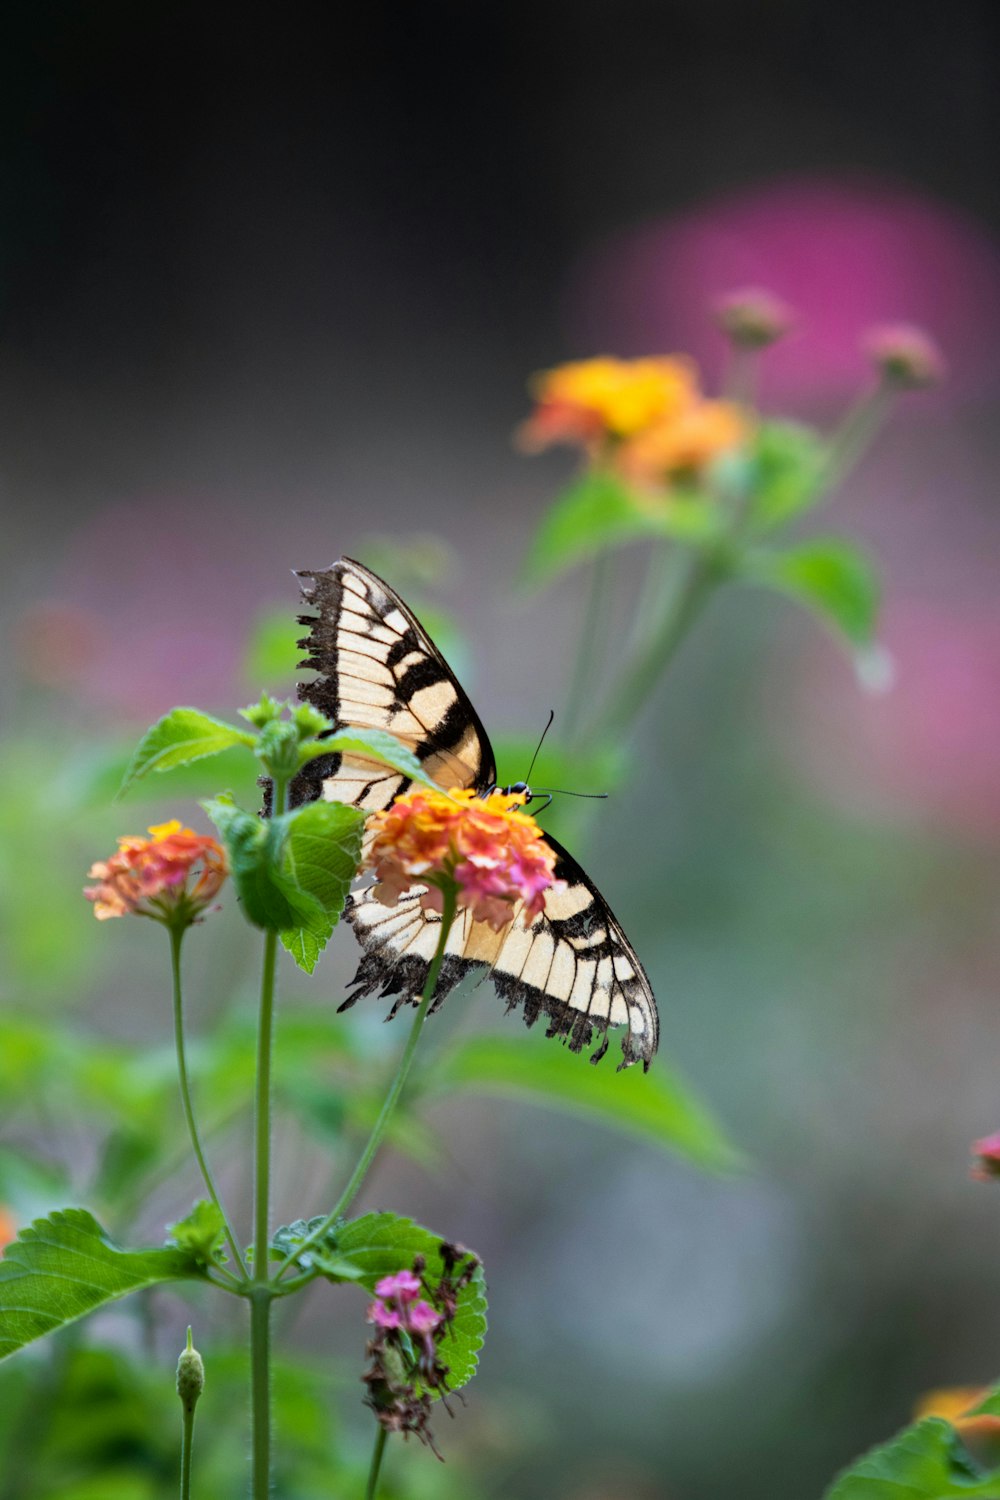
(190, 1376)
(262, 713)
(278, 748)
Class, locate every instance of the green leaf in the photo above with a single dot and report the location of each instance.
(270, 899)
(323, 1256)
(378, 1245)
(320, 857)
(832, 577)
(925, 1462)
(293, 872)
(181, 736)
(989, 1406)
(374, 744)
(655, 1107)
(64, 1266)
(201, 1233)
(597, 512)
(789, 462)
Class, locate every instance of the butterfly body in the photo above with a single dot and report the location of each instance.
(378, 669)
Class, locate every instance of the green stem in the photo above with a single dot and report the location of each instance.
(693, 581)
(260, 1389)
(392, 1097)
(855, 435)
(176, 940)
(585, 665)
(261, 1292)
(187, 1442)
(376, 1464)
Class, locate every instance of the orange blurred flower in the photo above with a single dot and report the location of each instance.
(952, 1403)
(486, 849)
(686, 445)
(8, 1228)
(647, 418)
(595, 399)
(151, 877)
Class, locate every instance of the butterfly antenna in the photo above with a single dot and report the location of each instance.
(561, 790)
(541, 742)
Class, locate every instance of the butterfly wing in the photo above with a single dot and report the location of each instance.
(573, 962)
(379, 669)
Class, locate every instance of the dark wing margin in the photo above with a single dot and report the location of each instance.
(573, 963)
(377, 668)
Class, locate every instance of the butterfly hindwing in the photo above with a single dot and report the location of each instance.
(573, 962)
(379, 669)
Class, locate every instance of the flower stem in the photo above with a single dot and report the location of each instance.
(376, 1464)
(856, 433)
(176, 940)
(585, 666)
(392, 1097)
(187, 1443)
(692, 582)
(261, 1291)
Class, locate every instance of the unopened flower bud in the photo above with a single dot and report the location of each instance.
(754, 319)
(905, 356)
(190, 1376)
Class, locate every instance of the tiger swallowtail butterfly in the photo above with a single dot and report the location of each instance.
(378, 669)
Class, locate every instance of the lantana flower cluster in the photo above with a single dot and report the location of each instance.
(171, 876)
(411, 1320)
(646, 418)
(486, 850)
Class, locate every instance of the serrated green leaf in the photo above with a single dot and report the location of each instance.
(201, 1233)
(270, 897)
(378, 1245)
(832, 577)
(320, 856)
(925, 1462)
(181, 736)
(64, 1266)
(789, 462)
(655, 1107)
(323, 1257)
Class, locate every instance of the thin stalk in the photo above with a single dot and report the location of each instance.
(186, 1445)
(261, 1292)
(692, 583)
(856, 433)
(584, 667)
(392, 1097)
(187, 1441)
(176, 940)
(371, 1487)
(260, 1389)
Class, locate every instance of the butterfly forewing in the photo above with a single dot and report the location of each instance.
(378, 669)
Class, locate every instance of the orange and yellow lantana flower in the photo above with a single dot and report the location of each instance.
(152, 877)
(487, 849)
(647, 418)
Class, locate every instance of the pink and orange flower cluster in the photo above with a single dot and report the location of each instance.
(174, 874)
(490, 852)
(398, 1305)
(646, 418)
